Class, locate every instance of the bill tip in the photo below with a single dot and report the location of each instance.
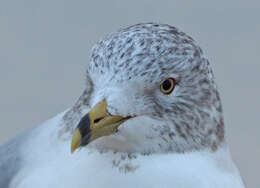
(76, 141)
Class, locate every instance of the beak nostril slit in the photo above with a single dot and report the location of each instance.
(97, 120)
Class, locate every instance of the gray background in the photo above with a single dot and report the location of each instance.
(45, 45)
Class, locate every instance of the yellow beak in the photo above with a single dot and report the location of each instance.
(95, 124)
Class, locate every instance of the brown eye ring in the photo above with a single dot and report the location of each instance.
(167, 86)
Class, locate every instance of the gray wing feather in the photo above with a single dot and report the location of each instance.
(10, 160)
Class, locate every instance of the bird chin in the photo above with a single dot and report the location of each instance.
(132, 136)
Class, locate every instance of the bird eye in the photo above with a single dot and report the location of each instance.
(167, 86)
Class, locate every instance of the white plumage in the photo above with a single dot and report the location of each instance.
(49, 163)
(173, 140)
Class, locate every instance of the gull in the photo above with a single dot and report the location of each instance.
(150, 116)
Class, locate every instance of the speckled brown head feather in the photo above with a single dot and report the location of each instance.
(127, 68)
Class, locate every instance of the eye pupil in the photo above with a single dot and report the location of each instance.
(167, 85)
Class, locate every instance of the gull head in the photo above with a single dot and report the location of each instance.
(149, 88)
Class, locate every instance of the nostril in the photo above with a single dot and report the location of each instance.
(97, 120)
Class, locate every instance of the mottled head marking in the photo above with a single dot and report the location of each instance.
(132, 63)
(143, 49)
